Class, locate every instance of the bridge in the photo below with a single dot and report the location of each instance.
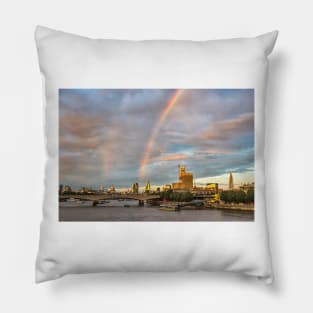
(95, 198)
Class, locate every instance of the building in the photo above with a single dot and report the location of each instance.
(83, 190)
(231, 181)
(67, 188)
(112, 189)
(148, 187)
(185, 179)
(212, 188)
(135, 188)
(167, 187)
(246, 187)
(101, 189)
(208, 189)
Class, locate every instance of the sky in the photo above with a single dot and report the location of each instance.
(120, 136)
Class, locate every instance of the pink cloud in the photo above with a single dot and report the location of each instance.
(174, 157)
(225, 129)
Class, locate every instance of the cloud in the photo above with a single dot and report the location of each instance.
(215, 151)
(174, 157)
(227, 129)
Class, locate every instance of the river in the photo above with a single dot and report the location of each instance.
(114, 210)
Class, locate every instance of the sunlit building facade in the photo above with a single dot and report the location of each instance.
(185, 179)
(212, 188)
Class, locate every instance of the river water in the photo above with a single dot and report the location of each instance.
(115, 210)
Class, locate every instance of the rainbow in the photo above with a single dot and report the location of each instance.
(169, 106)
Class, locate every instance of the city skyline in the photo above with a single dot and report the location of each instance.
(124, 136)
(197, 183)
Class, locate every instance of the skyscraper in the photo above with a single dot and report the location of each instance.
(231, 181)
(135, 188)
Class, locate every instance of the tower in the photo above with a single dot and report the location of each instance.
(182, 171)
(148, 187)
(231, 181)
(185, 179)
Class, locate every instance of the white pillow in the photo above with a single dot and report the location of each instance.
(91, 84)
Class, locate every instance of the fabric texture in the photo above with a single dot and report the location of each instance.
(69, 62)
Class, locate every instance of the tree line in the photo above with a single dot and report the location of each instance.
(237, 196)
(170, 195)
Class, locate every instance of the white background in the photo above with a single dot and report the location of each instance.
(288, 152)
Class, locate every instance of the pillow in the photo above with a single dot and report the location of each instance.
(155, 155)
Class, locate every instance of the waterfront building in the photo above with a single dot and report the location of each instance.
(82, 190)
(101, 189)
(86, 190)
(208, 189)
(67, 188)
(231, 181)
(185, 179)
(167, 187)
(112, 189)
(246, 187)
(212, 188)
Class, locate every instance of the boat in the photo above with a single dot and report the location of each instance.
(72, 200)
(196, 203)
(104, 201)
(169, 207)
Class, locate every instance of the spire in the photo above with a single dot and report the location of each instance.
(148, 187)
(231, 181)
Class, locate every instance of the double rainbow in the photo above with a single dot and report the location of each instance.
(169, 106)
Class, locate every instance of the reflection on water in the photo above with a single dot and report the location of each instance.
(128, 210)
